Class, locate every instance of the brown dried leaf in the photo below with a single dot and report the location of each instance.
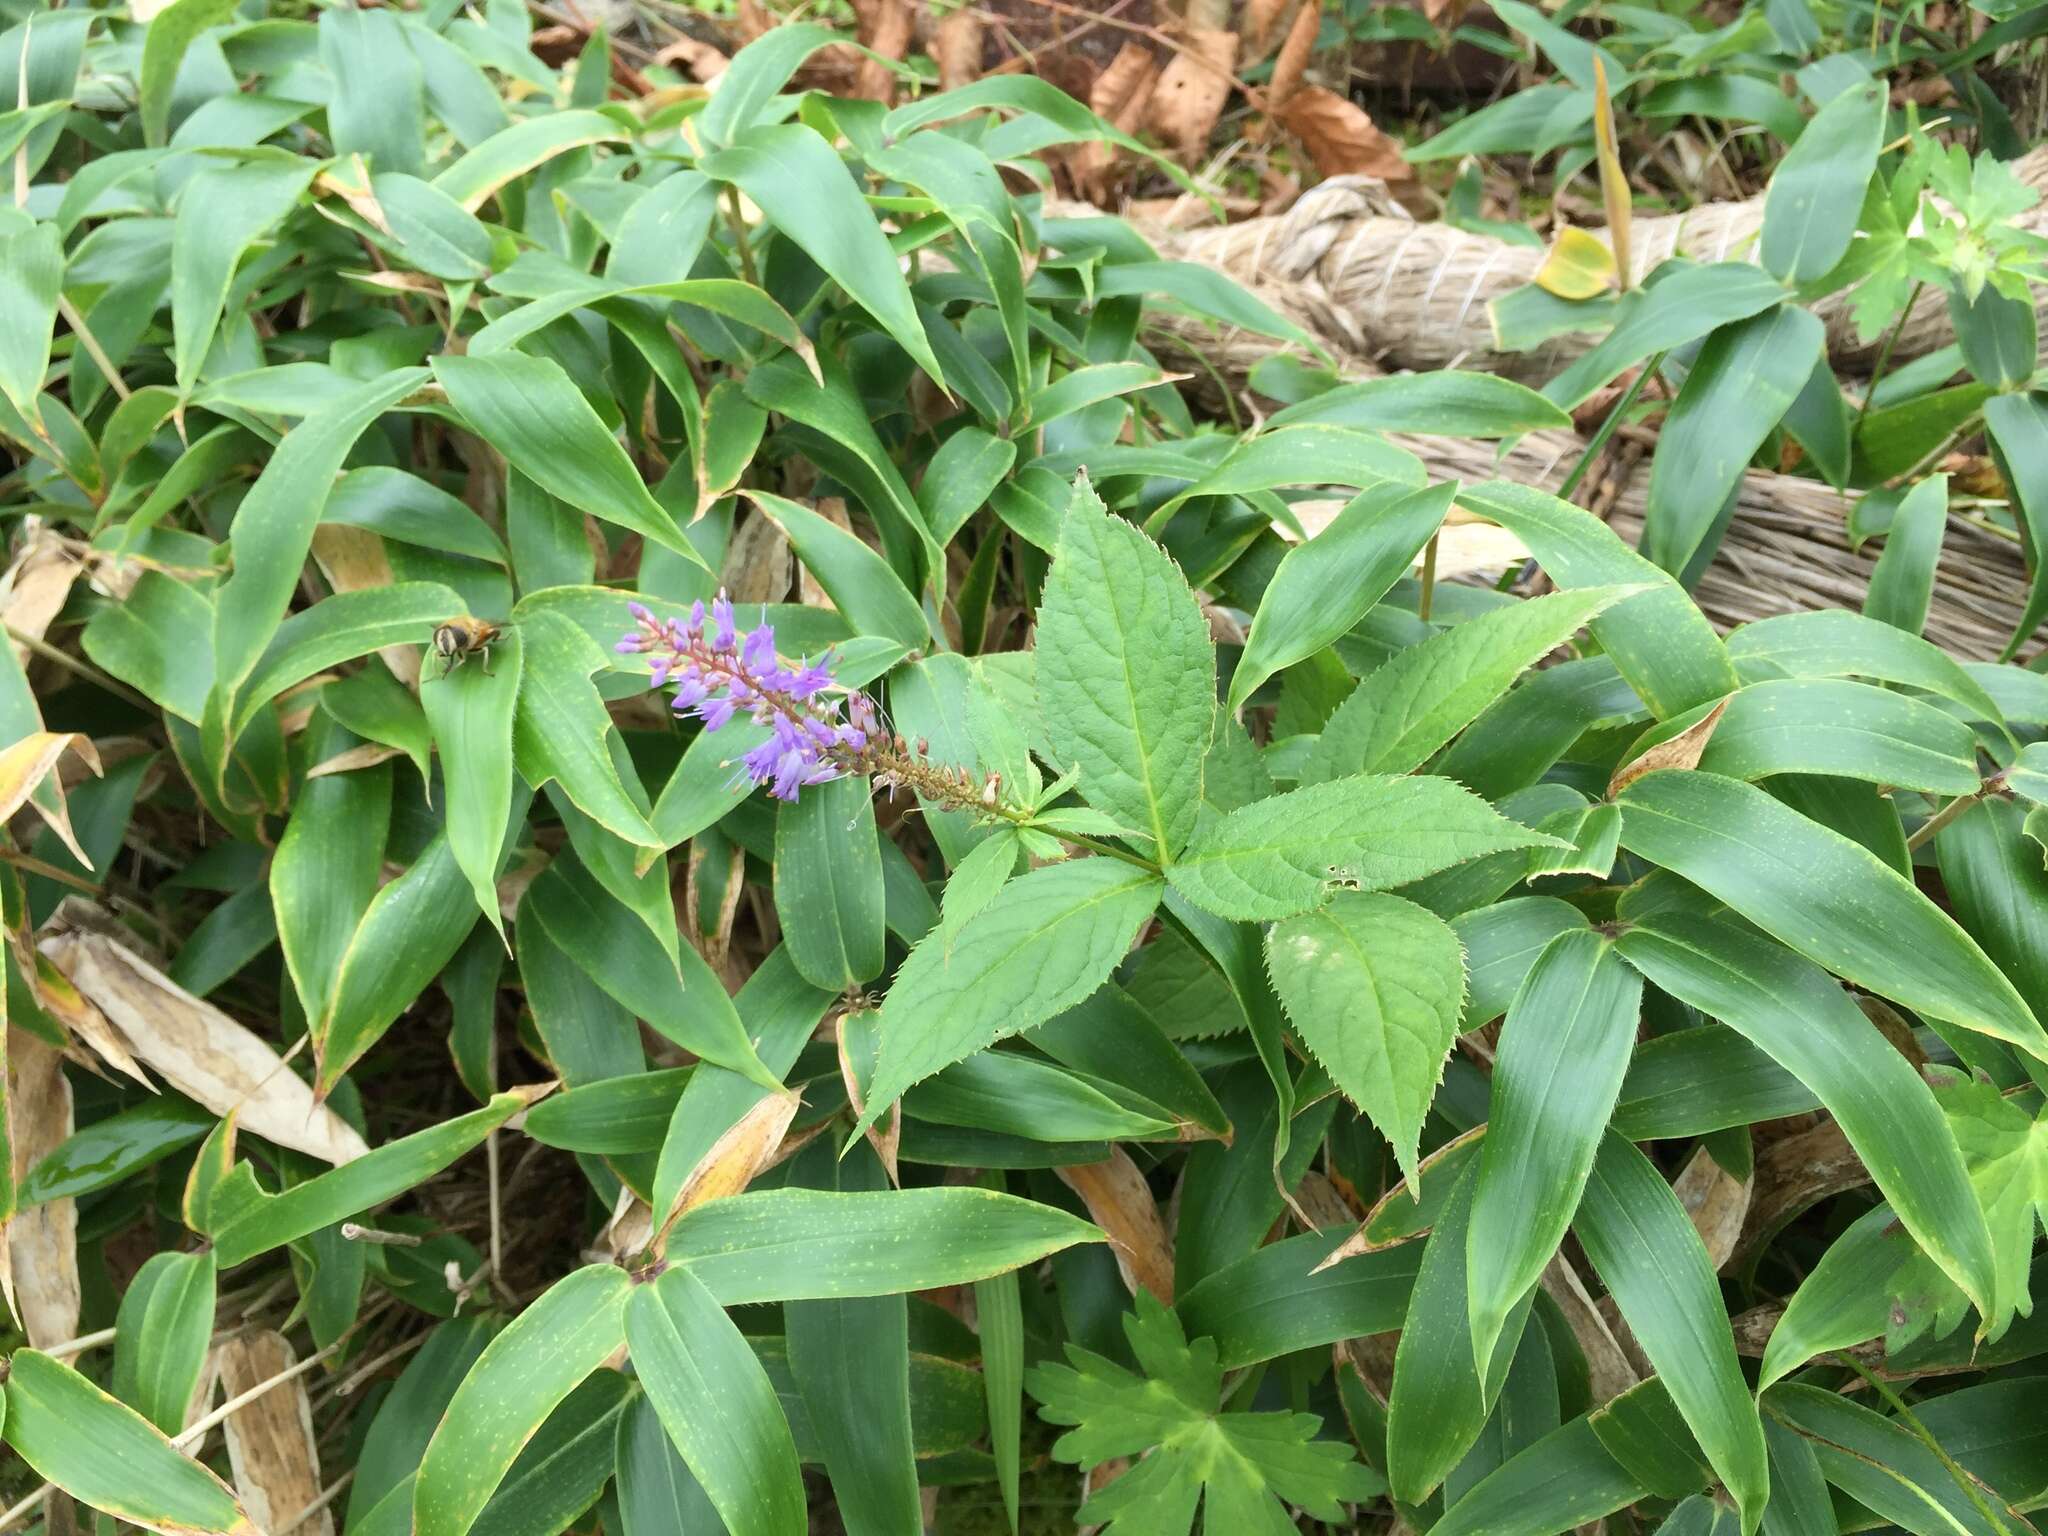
(886, 27)
(199, 1050)
(1265, 23)
(1614, 196)
(34, 589)
(1191, 92)
(348, 178)
(1607, 1362)
(63, 1002)
(1716, 1201)
(42, 1254)
(1680, 751)
(1295, 49)
(751, 1145)
(352, 560)
(271, 1447)
(1120, 1203)
(956, 48)
(23, 768)
(1120, 96)
(704, 62)
(886, 1137)
(1318, 1199)
(366, 754)
(1795, 1172)
(1340, 138)
(757, 561)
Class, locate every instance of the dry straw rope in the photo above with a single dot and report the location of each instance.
(1417, 295)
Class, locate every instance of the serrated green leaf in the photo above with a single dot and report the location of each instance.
(1126, 674)
(1423, 696)
(1281, 856)
(1045, 942)
(1375, 987)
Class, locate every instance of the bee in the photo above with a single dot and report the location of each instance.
(458, 639)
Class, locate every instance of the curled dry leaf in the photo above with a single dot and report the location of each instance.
(1340, 138)
(1265, 22)
(1794, 1172)
(34, 589)
(199, 1050)
(63, 1002)
(23, 768)
(1681, 751)
(1716, 1201)
(757, 561)
(886, 27)
(704, 62)
(1121, 95)
(753, 1143)
(956, 48)
(366, 754)
(1295, 49)
(349, 179)
(886, 1136)
(42, 1241)
(1191, 92)
(1608, 1365)
(1120, 1202)
(271, 1448)
(1614, 194)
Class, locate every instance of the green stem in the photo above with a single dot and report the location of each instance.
(738, 226)
(1422, 603)
(1607, 427)
(1884, 357)
(1927, 829)
(1911, 1421)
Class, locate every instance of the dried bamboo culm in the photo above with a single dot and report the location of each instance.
(1417, 295)
(1786, 551)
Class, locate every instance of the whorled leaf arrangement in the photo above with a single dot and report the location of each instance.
(711, 830)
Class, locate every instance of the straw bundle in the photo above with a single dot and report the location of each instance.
(1417, 294)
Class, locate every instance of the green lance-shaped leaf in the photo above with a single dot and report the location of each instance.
(1837, 643)
(1845, 1299)
(1655, 1266)
(162, 1334)
(828, 883)
(1374, 986)
(1803, 1020)
(1447, 403)
(107, 1455)
(1659, 639)
(758, 72)
(1441, 1399)
(515, 1384)
(1041, 945)
(1682, 305)
(244, 1221)
(532, 412)
(1884, 1466)
(999, 1325)
(807, 1244)
(1277, 857)
(470, 710)
(1744, 380)
(1325, 586)
(222, 211)
(1815, 193)
(325, 872)
(717, 1404)
(1842, 729)
(1830, 899)
(1902, 585)
(1564, 1049)
(807, 191)
(511, 152)
(858, 580)
(2017, 425)
(273, 532)
(561, 730)
(851, 1361)
(410, 930)
(1564, 1480)
(1297, 455)
(170, 33)
(107, 1151)
(1126, 674)
(31, 277)
(675, 992)
(338, 629)
(1421, 697)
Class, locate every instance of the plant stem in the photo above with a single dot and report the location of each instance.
(1911, 1421)
(1571, 482)
(1884, 357)
(1423, 602)
(738, 226)
(1927, 829)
